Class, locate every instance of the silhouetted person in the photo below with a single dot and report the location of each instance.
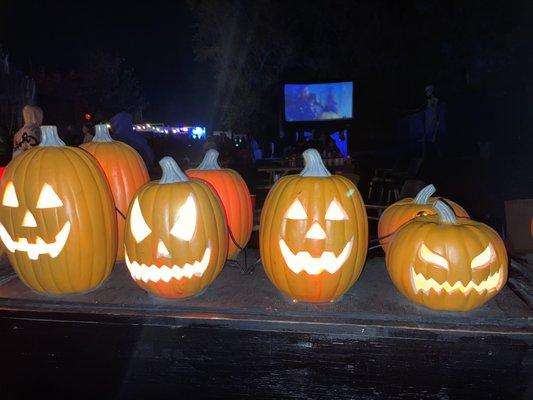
(122, 129)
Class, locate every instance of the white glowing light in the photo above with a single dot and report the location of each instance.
(10, 196)
(296, 211)
(155, 273)
(48, 198)
(316, 232)
(185, 224)
(432, 258)
(139, 227)
(162, 250)
(303, 261)
(34, 250)
(335, 212)
(421, 283)
(485, 258)
(29, 220)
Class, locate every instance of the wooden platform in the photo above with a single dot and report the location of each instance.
(242, 339)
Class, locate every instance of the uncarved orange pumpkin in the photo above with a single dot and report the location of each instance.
(57, 218)
(235, 198)
(125, 172)
(404, 210)
(447, 263)
(176, 237)
(313, 233)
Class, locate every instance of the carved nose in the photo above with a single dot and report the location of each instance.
(315, 232)
(162, 250)
(29, 220)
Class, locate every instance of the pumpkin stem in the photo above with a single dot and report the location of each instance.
(49, 137)
(423, 196)
(314, 166)
(446, 214)
(101, 134)
(171, 171)
(210, 160)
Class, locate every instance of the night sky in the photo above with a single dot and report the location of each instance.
(155, 38)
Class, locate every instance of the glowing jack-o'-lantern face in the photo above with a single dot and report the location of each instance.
(313, 233)
(35, 246)
(327, 260)
(57, 218)
(174, 244)
(447, 263)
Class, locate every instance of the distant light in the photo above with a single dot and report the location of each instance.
(108, 126)
(88, 117)
(148, 125)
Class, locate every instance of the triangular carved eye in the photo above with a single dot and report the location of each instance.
(48, 198)
(335, 212)
(296, 211)
(10, 196)
(484, 258)
(139, 227)
(430, 257)
(185, 224)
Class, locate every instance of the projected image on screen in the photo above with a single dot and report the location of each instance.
(318, 101)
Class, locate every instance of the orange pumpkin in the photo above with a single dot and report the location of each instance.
(57, 218)
(125, 172)
(313, 233)
(447, 263)
(176, 238)
(235, 198)
(404, 210)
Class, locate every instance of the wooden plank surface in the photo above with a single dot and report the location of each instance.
(242, 340)
(372, 301)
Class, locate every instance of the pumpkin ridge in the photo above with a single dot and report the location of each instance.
(31, 157)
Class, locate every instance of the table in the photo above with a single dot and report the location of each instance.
(242, 339)
(276, 172)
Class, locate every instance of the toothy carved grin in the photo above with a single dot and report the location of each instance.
(34, 250)
(302, 261)
(164, 273)
(421, 283)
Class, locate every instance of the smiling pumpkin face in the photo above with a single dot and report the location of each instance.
(176, 237)
(313, 234)
(446, 263)
(59, 232)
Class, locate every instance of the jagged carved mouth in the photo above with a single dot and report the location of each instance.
(303, 261)
(422, 284)
(165, 273)
(34, 250)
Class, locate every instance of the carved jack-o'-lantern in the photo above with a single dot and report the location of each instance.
(446, 263)
(405, 210)
(57, 218)
(313, 233)
(176, 237)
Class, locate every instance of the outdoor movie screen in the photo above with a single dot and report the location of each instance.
(318, 101)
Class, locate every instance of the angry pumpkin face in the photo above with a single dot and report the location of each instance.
(447, 263)
(174, 240)
(313, 234)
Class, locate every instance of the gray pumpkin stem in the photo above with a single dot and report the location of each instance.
(101, 134)
(210, 160)
(314, 166)
(445, 212)
(171, 171)
(423, 196)
(49, 137)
